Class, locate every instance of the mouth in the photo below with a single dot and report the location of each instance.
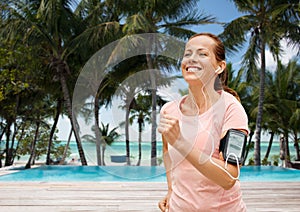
(193, 69)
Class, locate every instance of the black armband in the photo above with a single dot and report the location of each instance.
(233, 146)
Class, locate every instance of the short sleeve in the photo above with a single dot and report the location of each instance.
(235, 117)
(169, 107)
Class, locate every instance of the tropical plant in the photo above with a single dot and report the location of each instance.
(52, 25)
(141, 112)
(286, 95)
(107, 136)
(127, 92)
(103, 25)
(19, 79)
(268, 22)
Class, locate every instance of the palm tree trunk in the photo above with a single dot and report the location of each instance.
(97, 132)
(296, 145)
(12, 146)
(11, 152)
(72, 119)
(8, 151)
(58, 109)
(2, 133)
(33, 144)
(153, 127)
(269, 146)
(19, 139)
(153, 112)
(127, 135)
(61, 162)
(1, 154)
(287, 150)
(103, 152)
(248, 146)
(140, 143)
(257, 150)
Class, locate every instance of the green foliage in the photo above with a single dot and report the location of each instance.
(268, 23)
(108, 136)
(251, 162)
(275, 159)
(160, 160)
(265, 162)
(24, 145)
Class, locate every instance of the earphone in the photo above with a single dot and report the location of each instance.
(218, 69)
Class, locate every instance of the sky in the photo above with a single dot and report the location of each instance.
(224, 11)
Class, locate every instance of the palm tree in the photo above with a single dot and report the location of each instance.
(127, 91)
(52, 25)
(271, 115)
(53, 129)
(268, 22)
(19, 81)
(137, 83)
(103, 25)
(107, 136)
(141, 112)
(66, 148)
(286, 93)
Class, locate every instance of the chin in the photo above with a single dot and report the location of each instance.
(193, 81)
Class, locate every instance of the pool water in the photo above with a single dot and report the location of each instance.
(88, 173)
(268, 173)
(136, 173)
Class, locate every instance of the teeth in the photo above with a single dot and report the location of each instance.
(193, 69)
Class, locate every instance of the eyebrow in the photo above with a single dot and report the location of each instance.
(200, 49)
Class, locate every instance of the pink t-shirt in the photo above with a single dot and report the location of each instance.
(191, 190)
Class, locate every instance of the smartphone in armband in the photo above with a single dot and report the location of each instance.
(233, 146)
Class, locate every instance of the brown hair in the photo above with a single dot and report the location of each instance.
(219, 51)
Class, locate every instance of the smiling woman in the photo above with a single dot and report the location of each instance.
(192, 128)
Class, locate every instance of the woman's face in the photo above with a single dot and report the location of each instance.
(199, 62)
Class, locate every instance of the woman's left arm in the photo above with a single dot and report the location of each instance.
(213, 170)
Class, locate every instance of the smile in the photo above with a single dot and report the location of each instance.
(193, 69)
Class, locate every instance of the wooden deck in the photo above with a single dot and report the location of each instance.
(133, 197)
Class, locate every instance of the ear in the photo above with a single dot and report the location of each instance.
(221, 67)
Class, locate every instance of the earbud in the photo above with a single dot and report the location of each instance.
(218, 69)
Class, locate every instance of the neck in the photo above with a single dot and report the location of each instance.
(204, 98)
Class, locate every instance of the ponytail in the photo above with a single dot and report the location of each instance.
(223, 77)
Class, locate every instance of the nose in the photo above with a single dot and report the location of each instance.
(192, 58)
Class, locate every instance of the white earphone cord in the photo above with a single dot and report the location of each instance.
(213, 147)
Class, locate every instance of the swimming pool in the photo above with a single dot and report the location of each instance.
(136, 173)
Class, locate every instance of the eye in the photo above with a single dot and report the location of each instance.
(202, 54)
(187, 54)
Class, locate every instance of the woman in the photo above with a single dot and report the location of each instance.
(199, 178)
